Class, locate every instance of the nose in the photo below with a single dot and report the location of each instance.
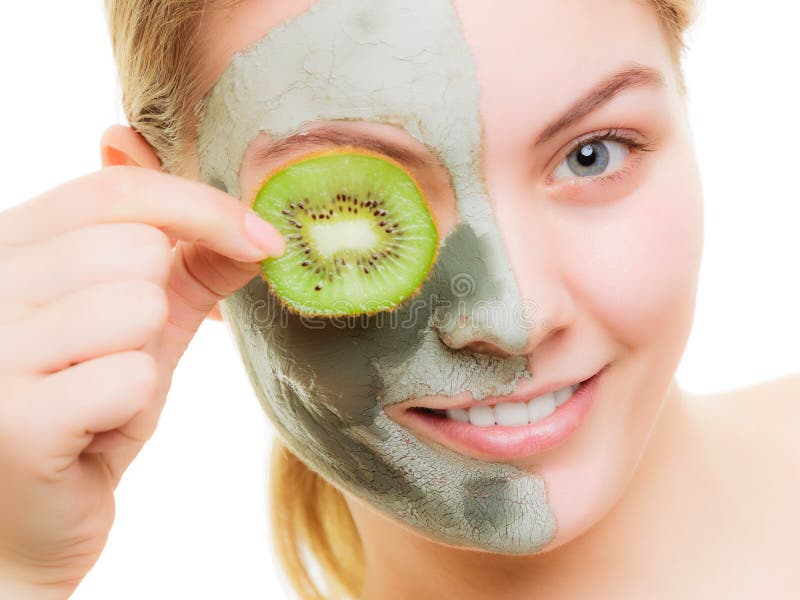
(476, 346)
(485, 310)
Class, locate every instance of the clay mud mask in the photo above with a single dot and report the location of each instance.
(325, 386)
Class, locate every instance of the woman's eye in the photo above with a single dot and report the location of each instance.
(590, 159)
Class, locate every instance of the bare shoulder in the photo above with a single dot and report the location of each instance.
(768, 412)
(755, 454)
(755, 431)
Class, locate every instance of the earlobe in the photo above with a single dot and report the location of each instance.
(122, 145)
(215, 313)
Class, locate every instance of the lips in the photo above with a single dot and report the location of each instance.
(425, 418)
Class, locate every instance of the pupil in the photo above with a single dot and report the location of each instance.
(589, 160)
(587, 156)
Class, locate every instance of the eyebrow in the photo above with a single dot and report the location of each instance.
(636, 75)
(337, 135)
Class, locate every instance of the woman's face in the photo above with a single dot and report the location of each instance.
(559, 255)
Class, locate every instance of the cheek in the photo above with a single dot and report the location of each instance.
(635, 266)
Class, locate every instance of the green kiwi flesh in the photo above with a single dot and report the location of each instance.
(360, 237)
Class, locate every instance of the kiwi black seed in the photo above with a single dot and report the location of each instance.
(359, 231)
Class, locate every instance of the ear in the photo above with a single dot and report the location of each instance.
(215, 313)
(121, 145)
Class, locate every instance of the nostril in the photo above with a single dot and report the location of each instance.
(482, 347)
(447, 340)
(475, 346)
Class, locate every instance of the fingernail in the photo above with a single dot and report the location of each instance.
(263, 235)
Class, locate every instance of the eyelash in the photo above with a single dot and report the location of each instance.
(614, 134)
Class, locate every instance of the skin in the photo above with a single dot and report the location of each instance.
(330, 399)
(76, 410)
(633, 309)
(330, 392)
(328, 389)
(644, 332)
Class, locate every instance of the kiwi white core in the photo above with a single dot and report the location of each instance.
(404, 63)
(328, 239)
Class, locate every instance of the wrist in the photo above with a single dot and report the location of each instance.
(21, 591)
(13, 585)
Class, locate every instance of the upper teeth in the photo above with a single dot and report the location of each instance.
(513, 414)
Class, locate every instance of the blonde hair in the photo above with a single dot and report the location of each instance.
(155, 47)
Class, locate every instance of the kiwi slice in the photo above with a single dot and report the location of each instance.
(360, 237)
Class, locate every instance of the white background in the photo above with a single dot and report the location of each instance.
(191, 509)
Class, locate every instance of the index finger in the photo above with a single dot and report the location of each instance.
(181, 208)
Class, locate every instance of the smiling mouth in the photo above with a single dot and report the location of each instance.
(504, 427)
(506, 414)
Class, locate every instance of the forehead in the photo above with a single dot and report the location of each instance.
(559, 43)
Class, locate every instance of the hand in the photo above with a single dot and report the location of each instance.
(105, 280)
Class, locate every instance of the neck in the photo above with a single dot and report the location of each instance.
(403, 564)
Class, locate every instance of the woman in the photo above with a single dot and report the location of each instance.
(552, 177)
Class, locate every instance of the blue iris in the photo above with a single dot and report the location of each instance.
(589, 160)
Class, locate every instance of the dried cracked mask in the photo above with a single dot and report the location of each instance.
(324, 383)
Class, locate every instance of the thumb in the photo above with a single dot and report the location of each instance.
(198, 279)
